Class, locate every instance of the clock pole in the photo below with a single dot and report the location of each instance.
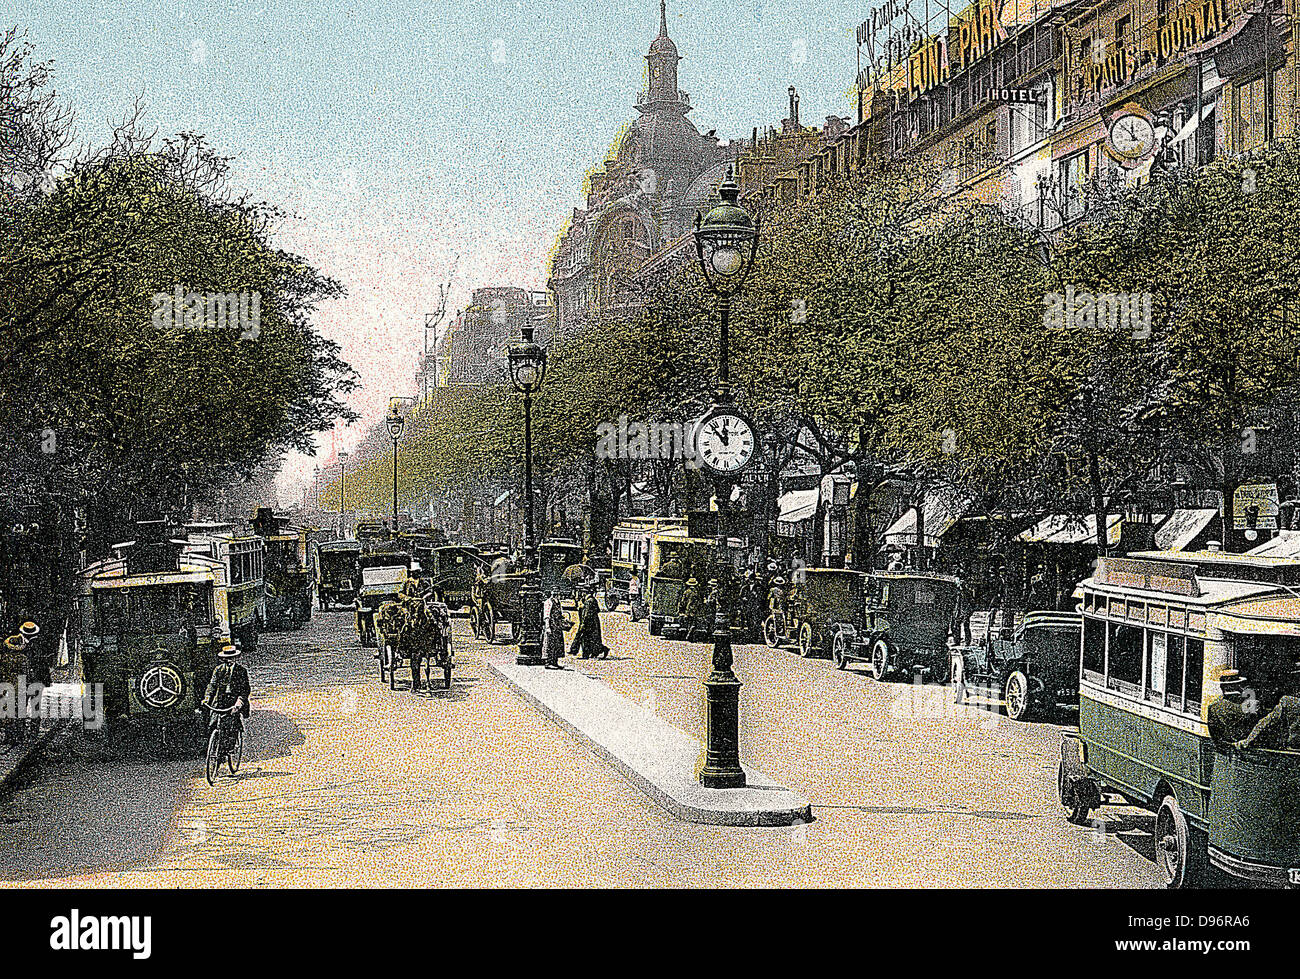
(726, 241)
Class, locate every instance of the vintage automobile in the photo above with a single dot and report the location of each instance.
(243, 561)
(909, 619)
(825, 615)
(554, 558)
(1031, 667)
(153, 619)
(1160, 629)
(414, 626)
(683, 558)
(383, 573)
(450, 570)
(337, 573)
(289, 580)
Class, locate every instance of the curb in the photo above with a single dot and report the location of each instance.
(673, 753)
(27, 751)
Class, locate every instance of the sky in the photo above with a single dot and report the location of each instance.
(406, 137)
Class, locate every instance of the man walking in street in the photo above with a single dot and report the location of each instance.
(553, 631)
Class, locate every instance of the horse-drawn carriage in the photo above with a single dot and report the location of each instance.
(415, 632)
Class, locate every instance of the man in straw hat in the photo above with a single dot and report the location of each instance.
(228, 687)
(1231, 716)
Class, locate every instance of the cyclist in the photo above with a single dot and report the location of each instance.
(228, 689)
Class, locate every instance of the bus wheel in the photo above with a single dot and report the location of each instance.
(1180, 850)
(1016, 694)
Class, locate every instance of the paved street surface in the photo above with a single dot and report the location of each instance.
(348, 783)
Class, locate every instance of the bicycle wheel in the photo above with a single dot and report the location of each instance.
(214, 759)
(236, 756)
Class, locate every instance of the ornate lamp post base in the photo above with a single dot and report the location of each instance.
(530, 622)
(722, 716)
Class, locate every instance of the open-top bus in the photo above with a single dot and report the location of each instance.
(242, 558)
(153, 620)
(1159, 631)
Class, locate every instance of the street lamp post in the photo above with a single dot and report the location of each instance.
(343, 468)
(395, 424)
(726, 242)
(527, 369)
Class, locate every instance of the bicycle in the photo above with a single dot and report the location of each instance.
(222, 747)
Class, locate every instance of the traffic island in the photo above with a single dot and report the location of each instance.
(661, 760)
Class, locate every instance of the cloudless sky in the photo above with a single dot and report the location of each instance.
(400, 134)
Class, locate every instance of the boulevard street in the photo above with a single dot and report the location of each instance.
(348, 783)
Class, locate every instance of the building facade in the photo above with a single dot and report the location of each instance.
(641, 202)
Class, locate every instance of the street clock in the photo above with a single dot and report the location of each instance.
(725, 441)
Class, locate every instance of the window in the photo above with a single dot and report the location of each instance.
(1094, 648)
(1192, 676)
(1123, 657)
(1157, 650)
(1075, 171)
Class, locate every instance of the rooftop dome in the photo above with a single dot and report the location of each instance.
(666, 141)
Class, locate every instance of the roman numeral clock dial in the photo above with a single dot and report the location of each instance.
(725, 443)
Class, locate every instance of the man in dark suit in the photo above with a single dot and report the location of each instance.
(1280, 728)
(1230, 718)
(228, 688)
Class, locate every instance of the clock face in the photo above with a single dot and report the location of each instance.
(725, 443)
(1132, 136)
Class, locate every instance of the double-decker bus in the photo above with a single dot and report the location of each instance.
(153, 620)
(289, 577)
(241, 561)
(1160, 630)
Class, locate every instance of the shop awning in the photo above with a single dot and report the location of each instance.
(1285, 544)
(1065, 528)
(939, 519)
(797, 505)
(1182, 528)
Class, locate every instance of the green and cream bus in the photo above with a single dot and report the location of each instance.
(242, 567)
(1159, 630)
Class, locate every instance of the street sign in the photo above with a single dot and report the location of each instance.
(1254, 507)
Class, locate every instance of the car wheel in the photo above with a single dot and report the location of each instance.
(806, 640)
(1017, 696)
(839, 651)
(1180, 850)
(770, 636)
(881, 659)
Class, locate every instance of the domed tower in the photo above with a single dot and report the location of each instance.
(662, 71)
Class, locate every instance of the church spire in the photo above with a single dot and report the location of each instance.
(662, 65)
(663, 18)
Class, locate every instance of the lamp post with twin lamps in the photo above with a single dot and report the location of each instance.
(726, 242)
(527, 370)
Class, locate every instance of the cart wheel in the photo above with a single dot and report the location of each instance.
(236, 756)
(1180, 850)
(770, 635)
(474, 626)
(806, 640)
(489, 622)
(880, 659)
(1016, 694)
(957, 673)
(839, 651)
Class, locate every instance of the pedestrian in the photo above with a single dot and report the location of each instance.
(37, 671)
(554, 623)
(13, 662)
(588, 636)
